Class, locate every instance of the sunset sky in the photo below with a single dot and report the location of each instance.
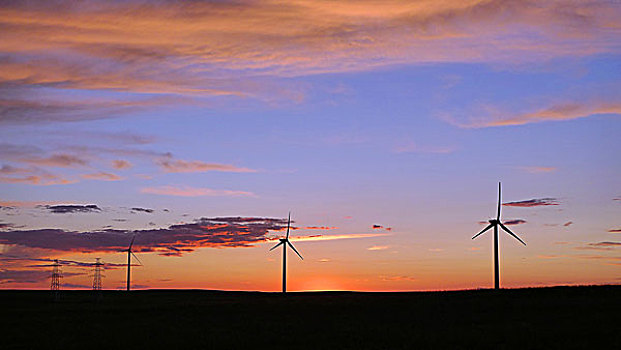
(384, 126)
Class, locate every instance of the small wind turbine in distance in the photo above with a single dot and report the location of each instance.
(284, 242)
(130, 253)
(495, 223)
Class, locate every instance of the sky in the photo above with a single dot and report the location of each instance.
(384, 127)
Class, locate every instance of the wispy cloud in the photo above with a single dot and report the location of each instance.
(321, 227)
(183, 166)
(378, 247)
(600, 246)
(537, 202)
(614, 230)
(514, 222)
(186, 191)
(398, 278)
(120, 164)
(568, 223)
(26, 204)
(222, 48)
(102, 176)
(490, 116)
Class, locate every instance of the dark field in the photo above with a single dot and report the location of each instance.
(559, 317)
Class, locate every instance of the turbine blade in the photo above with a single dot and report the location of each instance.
(485, 229)
(498, 217)
(511, 233)
(288, 225)
(295, 250)
(132, 243)
(276, 246)
(135, 257)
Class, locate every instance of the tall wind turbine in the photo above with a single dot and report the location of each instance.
(495, 223)
(284, 242)
(129, 260)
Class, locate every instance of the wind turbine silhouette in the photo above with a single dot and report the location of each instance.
(284, 242)
(129, 260)
(495, 223)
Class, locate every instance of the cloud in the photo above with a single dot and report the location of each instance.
(324, 260)
(378, 247)
(615, 230)
(600, 246)
(435, 250)
(42, 179)
(490, 116)
(50, 262)
(27, 275)
(606, 244)
(380, 227)
(6, 225)
(533, 202)
(568, 223)
(514, 222)
(23, 276)
(120, 164)
(183, 166)
(103, 176)
(73, 208)
(144, 210)
(243, 48)
(538, 169)
(321, 228)
(57, 160)
(175, 240)
(398, 278)
(25, 204)
(186, 191)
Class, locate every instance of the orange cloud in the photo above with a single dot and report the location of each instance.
(192, 47)
(398, 278)
(186, 191)
(538, 169)
(183, 166)
(491, 116)
(103, 176)
(378, 247)
(120, 164)
(42, 179)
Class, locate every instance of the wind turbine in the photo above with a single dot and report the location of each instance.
(495, 223)
(284, 242)
(129, 260)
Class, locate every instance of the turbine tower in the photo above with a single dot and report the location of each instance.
(130, 253)
(284, 242)
(495, 223)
